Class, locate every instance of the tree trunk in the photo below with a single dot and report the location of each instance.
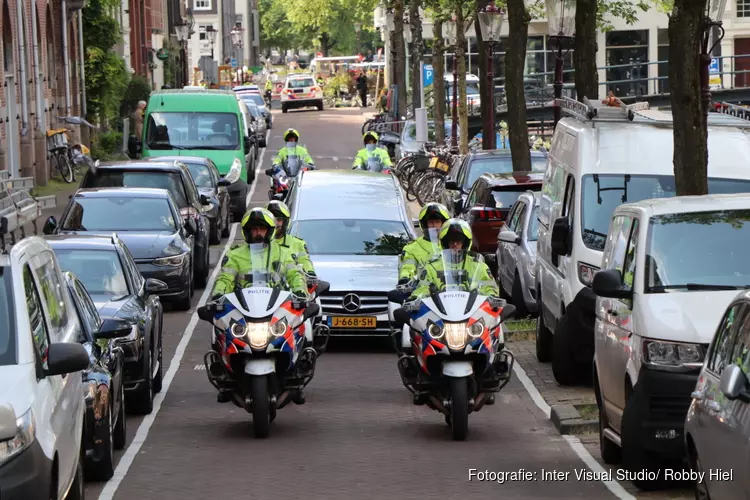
(690, 130)
(485, 91)
(584, 51)
(515, 58)
(392, 60)
(463, 115)
(438, 84)
(400, 63)
(415, 22)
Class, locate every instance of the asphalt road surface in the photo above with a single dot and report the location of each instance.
(357, 437)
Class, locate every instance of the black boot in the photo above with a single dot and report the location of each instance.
(224, 397)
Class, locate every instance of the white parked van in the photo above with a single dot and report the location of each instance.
(670, 269)
(602, 157)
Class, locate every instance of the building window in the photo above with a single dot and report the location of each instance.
(202, 5)
(627, 58)
(663, 56)
(202, 32)
(743, 8)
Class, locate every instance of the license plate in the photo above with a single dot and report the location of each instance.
(352, 322)
(439, 165)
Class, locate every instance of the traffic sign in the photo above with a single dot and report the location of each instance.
(714, 66)
(428, 74)
(233, 62)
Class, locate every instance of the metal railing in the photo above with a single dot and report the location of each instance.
(18, 207)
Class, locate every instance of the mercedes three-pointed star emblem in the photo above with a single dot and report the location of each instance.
(351, 302)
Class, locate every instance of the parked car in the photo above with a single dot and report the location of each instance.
(591, 171)
(250, 127)
(670, 269)
(488, 204)
(210, 184)
(717, 428)
(175, 177)
(301, 91)
(120, 291)
(355, 224)
(41, 406)
(105, 428)
(516, 253)
(259, 121)
(148, 222)
(257, 98)
(465, 174)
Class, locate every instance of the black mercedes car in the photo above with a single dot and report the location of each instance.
(105, 428)
(175, 177)
(106, 268)
(209, 183)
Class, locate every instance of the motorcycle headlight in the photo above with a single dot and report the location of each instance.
(435, 331)
(279, 328)
(258, 333)
(476, 330)
(234, 171)
(23, 439)
(666, 355)
(238, 330)
(174, 261)
(455, 335)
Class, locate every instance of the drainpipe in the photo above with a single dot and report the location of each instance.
(82, 58)
(66, 56)
(40, 122)
(22, 56)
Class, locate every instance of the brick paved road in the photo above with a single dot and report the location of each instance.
(358, 436)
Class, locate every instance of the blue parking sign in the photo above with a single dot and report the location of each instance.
(233, 62)
(428, 74)
(713, 68)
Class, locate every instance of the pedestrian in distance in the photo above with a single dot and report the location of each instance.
(362, 88)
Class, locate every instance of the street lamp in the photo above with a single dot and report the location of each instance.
(449, 28)
(712, 27)
(181, 31)
(490, 24)
(211, 36)
(561, 15)
(357, 29)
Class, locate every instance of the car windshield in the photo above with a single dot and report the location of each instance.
(352, 237)
(506, 199)
(7, 333)
(718, 243)
(300, 83)
(100, 271)
(471, 90)
(500, 164)
(534, 225)
(201, 174)
(410, 134)
(117, 213)
(112, 178)
(192, 130)
(603, 193)
(253, 110)
(254, 98)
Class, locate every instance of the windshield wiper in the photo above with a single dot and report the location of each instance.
(212, 148)
(696, 286)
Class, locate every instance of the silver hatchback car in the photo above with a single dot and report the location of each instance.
(516, 253)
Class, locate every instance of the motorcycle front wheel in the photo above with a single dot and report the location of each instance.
(459, 412)
(261, 406)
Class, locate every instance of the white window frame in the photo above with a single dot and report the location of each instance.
(202, 5)
(742, 9)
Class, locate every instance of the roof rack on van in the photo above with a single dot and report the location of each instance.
(733, 110)
(18, 207)
(589, 111)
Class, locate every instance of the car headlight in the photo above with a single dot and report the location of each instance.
(586, 273)
(660, 354)
(173, 261)
(23, 439)
(476, 330)
(455, 335)
(278, 328)
(435, 331)
(258, 334)
(238, 330)
(234, 171)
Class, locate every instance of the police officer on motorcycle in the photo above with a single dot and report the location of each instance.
(371, 157)
(420, 251)
(291, 244)
(292, 150)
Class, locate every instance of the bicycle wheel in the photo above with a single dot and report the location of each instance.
(429, 188)
(63, 166)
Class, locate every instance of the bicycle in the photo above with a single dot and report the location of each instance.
(64, 155)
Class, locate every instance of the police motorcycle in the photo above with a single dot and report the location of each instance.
(281, 182)
(457, 338)
(267, 344)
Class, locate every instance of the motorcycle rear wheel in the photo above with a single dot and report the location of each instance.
(261, 406)
(459, 412)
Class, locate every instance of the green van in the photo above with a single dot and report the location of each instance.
(207, 123)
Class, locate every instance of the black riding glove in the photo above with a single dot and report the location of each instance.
(403, 281)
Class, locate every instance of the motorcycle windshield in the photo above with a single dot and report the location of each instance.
(458, 274)
(259, 274)
(374, 164)
(434, 246)
(292, 165)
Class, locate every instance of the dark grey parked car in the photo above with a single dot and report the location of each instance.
(148, 222)
(209, 183)
(261, 103)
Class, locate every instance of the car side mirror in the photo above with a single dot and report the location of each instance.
(451, 185)
(191, 227)
(113, 329)
(65, 357)
(223, 182)
(155, 286)
(401, 317)
(248, 144)
(609, 283)
(458, 205)
(50, 226)
(507, 311)
(205, 200)
(311, 311)
(509, 237)
(734, 384)
(561, 237)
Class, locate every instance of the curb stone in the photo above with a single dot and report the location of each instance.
(568, 420)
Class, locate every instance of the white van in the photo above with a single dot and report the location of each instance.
(670, 269)
(602, 157)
